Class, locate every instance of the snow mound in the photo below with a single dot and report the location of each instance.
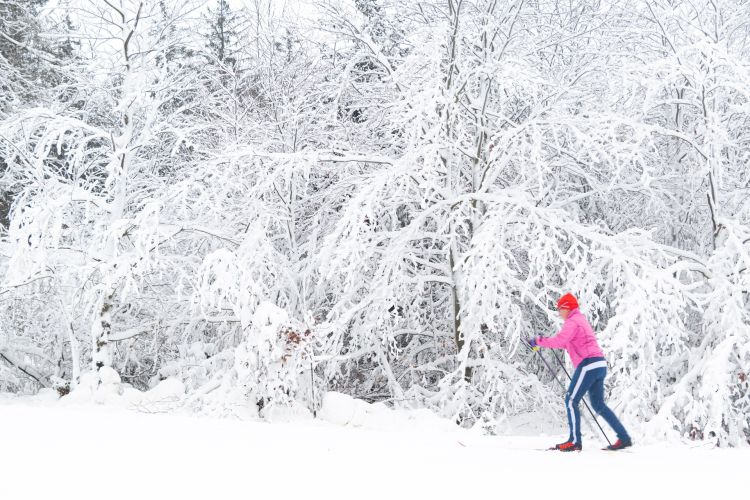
(286, 414)
(106, 388)
(344, 410)
(109, 376)
(102, 386)
(168, 390)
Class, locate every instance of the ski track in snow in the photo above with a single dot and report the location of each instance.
(80, 452)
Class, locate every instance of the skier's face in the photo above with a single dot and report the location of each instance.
(563, 313)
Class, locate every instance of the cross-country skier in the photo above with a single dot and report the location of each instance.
(577, 337)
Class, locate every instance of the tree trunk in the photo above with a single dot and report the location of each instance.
(101, 329)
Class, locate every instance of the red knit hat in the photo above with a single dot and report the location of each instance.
(567, 301)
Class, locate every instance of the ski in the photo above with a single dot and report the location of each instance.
(563, 452)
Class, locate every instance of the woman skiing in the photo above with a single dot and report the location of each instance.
(577, 337)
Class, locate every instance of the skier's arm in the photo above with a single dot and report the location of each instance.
(562, 338)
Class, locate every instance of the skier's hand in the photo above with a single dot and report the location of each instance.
(532, 343)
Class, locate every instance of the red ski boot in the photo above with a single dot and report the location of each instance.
(619, 445)
(569, 446)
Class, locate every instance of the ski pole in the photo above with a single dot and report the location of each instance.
(559, 361)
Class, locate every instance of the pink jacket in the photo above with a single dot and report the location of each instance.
(576, 337)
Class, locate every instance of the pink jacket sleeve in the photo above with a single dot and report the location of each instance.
(560, 341)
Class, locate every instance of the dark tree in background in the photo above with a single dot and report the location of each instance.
(222, 37)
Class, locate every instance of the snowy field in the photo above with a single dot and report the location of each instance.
(54, 451)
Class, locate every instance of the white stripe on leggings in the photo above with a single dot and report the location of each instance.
(592, 366)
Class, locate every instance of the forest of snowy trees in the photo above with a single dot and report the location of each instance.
(271, 199)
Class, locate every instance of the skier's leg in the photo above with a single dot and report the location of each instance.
(596, 395)
(570, 410)
(574, 418)
(575, 395)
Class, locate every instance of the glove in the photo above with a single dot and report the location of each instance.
(533, 343)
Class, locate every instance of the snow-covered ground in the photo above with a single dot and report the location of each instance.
(50, 450)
